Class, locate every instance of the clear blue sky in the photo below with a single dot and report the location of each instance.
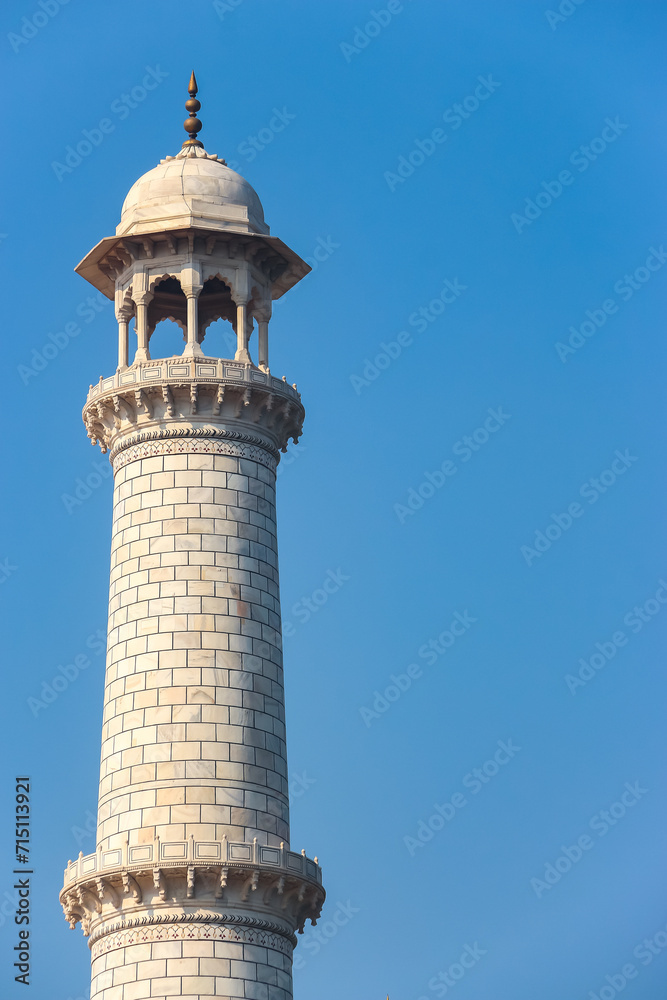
(541, 201)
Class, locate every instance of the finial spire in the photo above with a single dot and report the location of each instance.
(192, 125)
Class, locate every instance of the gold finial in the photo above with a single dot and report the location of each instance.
(192, 125)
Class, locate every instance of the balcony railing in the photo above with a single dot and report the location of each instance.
(216, 370)
(165, 853)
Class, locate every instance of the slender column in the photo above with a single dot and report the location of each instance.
(263, 344)
(241, 296)
(123, 310)
(242, 332)
(123, 345)
(191, 284)
(142, 301)
(192, 347)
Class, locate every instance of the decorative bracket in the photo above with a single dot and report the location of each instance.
(141, 399)
(190, 882)
(243, 400)
(105, 888)
(222, 884)
(278, 886)
(87, 891)
(250, 885)
(219, 400)
(130, 884)
(168, 399)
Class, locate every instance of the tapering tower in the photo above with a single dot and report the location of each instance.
(193, 890)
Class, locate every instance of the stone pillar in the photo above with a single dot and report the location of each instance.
(192, 286)
(241, 296)
(192, 890)
(142, 300)
(242, 333)
(263, 344)
(123, 338)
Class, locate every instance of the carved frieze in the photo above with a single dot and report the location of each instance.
(254, 891)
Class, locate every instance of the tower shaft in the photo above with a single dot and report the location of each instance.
(193, 742)
(192, 890)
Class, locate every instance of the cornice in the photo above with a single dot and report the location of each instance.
(106, 897)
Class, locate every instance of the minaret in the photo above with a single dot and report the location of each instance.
(193, 890)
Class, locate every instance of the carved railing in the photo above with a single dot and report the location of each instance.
(175, 853)
(145, 373)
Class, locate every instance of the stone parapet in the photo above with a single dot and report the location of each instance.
(193, 398)
(214, 881)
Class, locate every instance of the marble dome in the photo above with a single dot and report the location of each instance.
(193, 188)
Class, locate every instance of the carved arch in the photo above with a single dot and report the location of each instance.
(216, 301)
(168, 303)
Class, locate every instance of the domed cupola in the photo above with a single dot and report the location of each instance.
(192, 188)
(192, 246)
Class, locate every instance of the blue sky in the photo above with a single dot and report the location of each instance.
(456, 248)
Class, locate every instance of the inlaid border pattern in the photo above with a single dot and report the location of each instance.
(190, 445)
(195, 927)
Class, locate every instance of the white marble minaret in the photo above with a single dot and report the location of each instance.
(193, 890)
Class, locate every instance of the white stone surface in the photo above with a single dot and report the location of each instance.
(193, 739)
(195, 969)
